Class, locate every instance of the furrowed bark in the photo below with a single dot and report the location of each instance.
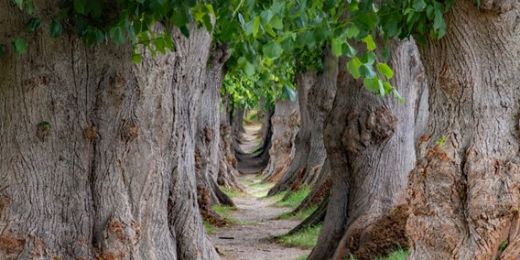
(208, 139)
(465, 189)
(285, 123)
(314, 107)
(86, 160)
(370, 146)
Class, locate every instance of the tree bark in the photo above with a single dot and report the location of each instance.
(97, 154)
(370, 147)
(208, 139)
(465, 189)
(285, 123)
(314, 108)
(320, 190)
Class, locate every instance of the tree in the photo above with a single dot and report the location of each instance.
(285, 122)
(315, 104)
(370, 162)
(464, 190)
(96, 151)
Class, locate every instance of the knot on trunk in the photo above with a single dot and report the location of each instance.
(120, 239)
(43, 130)
(209, 134)
(4, 202)
(90, 133)
(129, 131)
(368, 128)
(204, 201)
(11, 246)
(377, 234)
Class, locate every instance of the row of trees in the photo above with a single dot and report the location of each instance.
(112, 132)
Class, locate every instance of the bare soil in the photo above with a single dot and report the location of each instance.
(251, 237)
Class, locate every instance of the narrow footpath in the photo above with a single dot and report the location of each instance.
(255, 223)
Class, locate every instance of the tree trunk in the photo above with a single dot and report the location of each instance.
(370, 146)
(97, 154)
(320, 190)
(227, 161)
(465, 189)
(285, 123)
(314, 108)
(208, 139)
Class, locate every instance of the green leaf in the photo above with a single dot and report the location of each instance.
(79, 6)
(206, 19)
(137, 58)
(352, 31)
(367, 71)
(388, 87)
(369, 41)
(55, 29)
(256, 25)
(349, 50)
(249, 69)
(19, 45)
(117, 35)
(33, 24)
(337, 47)
(353, 67)
(179, 18)
(384, 69)
(374, 85)
(19, 3)
(277, 23)
(272, 50)
(369, 58)
(419, 5)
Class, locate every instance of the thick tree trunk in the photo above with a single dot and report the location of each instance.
(208, 139)
(285, 122)
(97, 154)
(316, 95)
(227, 161)
(370, 146)
(465, 189)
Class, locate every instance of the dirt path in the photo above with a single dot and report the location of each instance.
(251, 237)
(256, 225)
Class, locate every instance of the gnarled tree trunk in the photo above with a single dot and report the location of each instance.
(208, 139)
(465, 189)
(97, 154)
(316, 94)
(370, 146)
(285, 122)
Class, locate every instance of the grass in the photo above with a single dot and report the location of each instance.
(210, 229)
(305, 238)
(303, 257)
(224, 212)
(301, 215)
(232, 193)
(294, 199)
(400, 254)
(257, 188)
